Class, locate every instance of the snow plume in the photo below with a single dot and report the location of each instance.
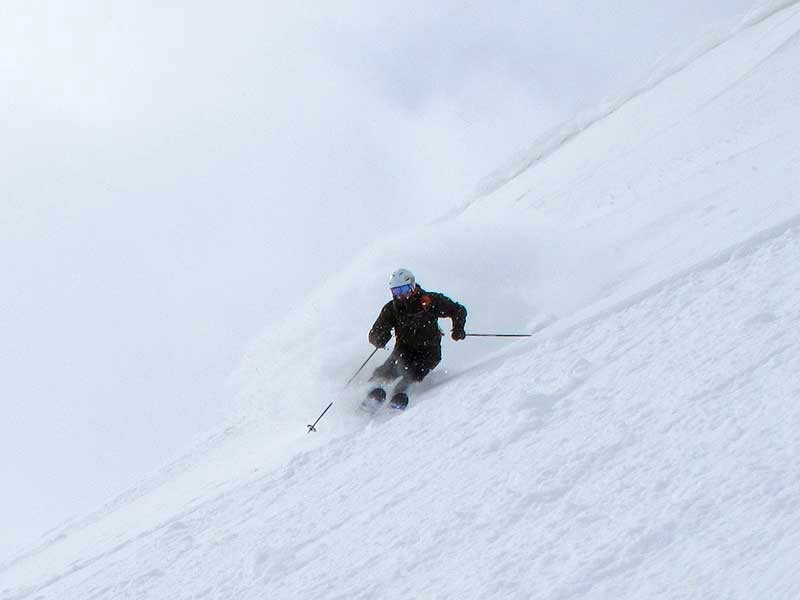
(500, 271)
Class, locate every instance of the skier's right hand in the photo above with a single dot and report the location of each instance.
(380, 341)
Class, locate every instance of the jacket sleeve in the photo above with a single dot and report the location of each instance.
(381, 331)
(450, 309)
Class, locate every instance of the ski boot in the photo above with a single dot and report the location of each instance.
(374, 400)
(399, 401)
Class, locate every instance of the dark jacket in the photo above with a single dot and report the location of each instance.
(415, 321)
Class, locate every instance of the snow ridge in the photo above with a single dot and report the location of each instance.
(562, 134)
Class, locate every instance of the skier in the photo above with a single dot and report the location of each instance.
(413, 313)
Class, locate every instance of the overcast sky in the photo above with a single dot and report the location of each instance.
(176, 175)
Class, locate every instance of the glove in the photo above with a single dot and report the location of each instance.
(458, 334)
(380, 342)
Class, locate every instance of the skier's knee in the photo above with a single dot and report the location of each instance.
(419, 374)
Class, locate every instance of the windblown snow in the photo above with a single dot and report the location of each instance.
(642, 444)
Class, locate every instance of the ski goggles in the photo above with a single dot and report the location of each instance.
(401, 291)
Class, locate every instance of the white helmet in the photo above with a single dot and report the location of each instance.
(402, 277)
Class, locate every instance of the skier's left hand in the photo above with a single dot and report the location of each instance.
(458, 334)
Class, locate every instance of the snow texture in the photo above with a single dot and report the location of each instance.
(643, 444)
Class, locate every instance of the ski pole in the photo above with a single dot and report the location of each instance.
(312, 427)
(349, 381)
(500, 335)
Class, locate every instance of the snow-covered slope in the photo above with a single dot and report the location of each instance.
(642, 444)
